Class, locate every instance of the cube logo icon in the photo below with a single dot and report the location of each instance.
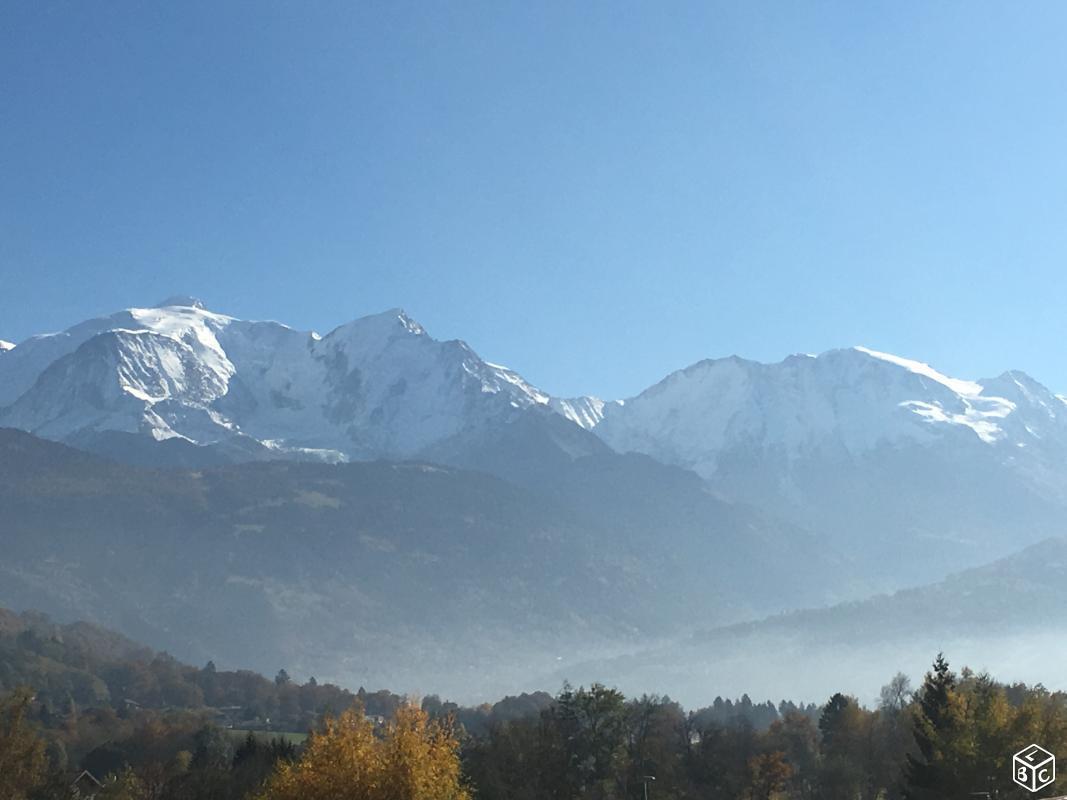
(1033, 768)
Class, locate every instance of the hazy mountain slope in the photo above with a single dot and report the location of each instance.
(1008, 617)
(666, 514)
(912, 472)
(385, 573)
(366, 570)
(77, 640)
(144, 451)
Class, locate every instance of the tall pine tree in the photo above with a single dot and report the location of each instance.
(932, 774)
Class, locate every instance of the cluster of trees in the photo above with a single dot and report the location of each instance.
(81, 668)
(409, 757)
(412, 758)
(952, 738)
(171, 757)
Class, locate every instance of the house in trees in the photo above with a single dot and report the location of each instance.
(85, 786)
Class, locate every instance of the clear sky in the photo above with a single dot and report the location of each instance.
(593, 194)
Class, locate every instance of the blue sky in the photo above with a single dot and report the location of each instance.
(593, 194)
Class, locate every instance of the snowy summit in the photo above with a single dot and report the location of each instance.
(381, 386)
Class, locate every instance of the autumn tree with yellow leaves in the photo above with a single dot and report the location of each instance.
(412, 759)
(22, 752)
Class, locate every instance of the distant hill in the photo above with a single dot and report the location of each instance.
(1009, 617)
(75, 667)
(377, 573)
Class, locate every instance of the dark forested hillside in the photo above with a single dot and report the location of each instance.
(81, 666)
(414, 575)
(353, 570)
(382, 572)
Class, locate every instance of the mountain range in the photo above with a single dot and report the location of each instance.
(372, 493)
(378, 387)
(381, 386)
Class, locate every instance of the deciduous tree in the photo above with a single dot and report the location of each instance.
(416, 759)
(22, 752)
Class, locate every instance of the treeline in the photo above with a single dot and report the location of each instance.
(952, 737)
(80, 667)
(480, 720)
(152, 756)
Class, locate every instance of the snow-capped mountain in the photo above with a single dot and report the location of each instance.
(909, 470)
(848, 439)
(847, 402)
(381, 386)
(5, 346)
(737, 488)
(376, 387)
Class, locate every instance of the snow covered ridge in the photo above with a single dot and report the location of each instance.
(381, 386)
(4, 346)
(846, 401)
(917, 367)
(979, 413)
